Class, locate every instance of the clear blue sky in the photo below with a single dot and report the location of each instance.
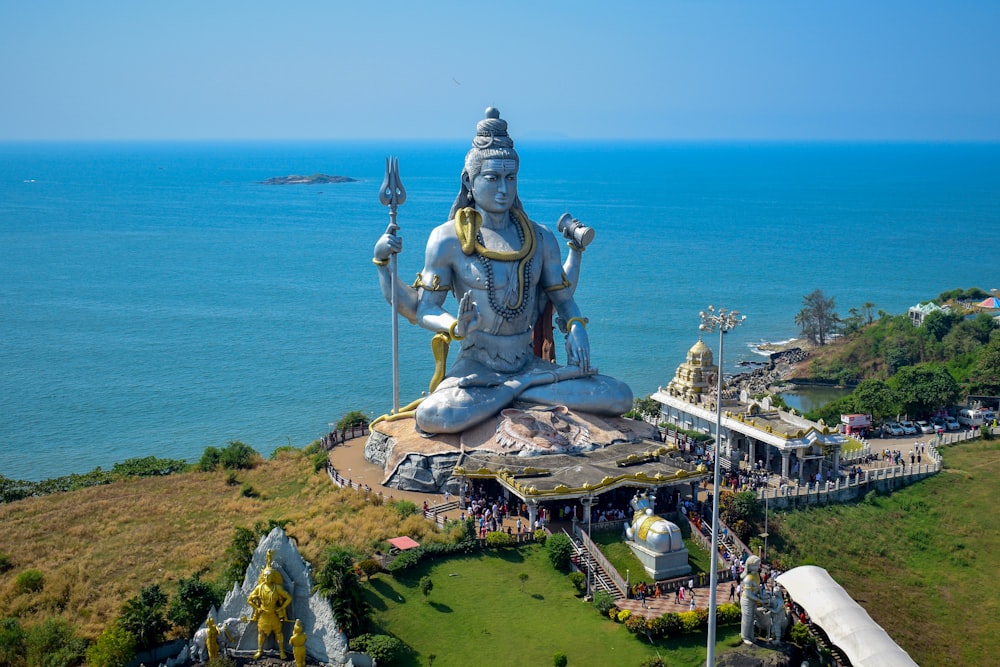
(665, 69)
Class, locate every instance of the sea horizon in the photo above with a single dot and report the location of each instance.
(157, 299)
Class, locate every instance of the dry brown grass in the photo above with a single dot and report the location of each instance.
(98, 547)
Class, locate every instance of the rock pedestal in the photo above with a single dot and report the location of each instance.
(325, 643)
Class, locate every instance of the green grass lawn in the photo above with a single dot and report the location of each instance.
(612, 545)
(477, 615)
(921, 561)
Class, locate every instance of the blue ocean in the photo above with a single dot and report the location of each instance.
(156, 299)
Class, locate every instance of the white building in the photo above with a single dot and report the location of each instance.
(752, 431)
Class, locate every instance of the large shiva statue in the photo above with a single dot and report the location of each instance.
(503, 270)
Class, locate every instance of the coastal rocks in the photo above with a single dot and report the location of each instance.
(759, 380)
(315, 179)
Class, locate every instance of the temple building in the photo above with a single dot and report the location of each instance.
(696, 376)
(752, 431)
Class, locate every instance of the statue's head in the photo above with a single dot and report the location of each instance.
(490, 143)
(752, 564)
(298, 626)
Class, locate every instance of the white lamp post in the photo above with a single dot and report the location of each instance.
(724, 321)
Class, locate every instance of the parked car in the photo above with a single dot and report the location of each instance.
(909, 428)
(925, 426)
(892, 429)
(952, 424)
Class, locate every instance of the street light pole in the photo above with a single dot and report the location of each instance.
(724, 321)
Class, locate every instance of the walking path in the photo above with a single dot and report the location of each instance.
(661, 605)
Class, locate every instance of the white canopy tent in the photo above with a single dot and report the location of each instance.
(844, 621)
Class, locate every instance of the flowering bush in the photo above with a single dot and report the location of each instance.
(636, 624)
(690, 622)
(727, 614)
(667, 625)
(623, 615)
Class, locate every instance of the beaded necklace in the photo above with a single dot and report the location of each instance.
(509, 311)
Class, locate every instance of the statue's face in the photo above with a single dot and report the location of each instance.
(495, 186)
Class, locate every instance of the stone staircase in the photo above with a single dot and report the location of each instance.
(599, 578)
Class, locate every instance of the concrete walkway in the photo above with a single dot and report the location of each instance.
(661, 605)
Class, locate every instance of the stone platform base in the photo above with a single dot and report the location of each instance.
(416, 462)
(661, 566)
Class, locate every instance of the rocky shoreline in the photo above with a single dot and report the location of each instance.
(780, 366)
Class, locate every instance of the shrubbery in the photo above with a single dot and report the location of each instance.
(114, 648)
(636, 624)
(53, 643)
(12, 489)
(404, 508)
(29, 581)
(383, 648)
(234, 456)
(673, 624)
(579, 581)
(603, 602)
(560, 550)
(800, 635)
(497, 539)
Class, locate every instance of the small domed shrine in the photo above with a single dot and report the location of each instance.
(696, 376)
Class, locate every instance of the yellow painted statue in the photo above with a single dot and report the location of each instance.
(212, 639)
(298, 642)
(270, 604)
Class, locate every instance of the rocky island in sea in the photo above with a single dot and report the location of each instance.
(315, 179)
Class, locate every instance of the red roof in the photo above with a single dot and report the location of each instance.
(403, 543)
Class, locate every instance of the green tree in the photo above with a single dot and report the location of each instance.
(559, 660)
(560, 550)
(426, 586)
(12, 638)
(898, 351)
(924, 389)
(114, 648)
(818, 318)
(875, 398)
(523, 577)
(353, 418)
(189, 608)
(985, 376)
(238, 456)
(144, 617)
(742, 506)
(53, 643)
(337, 581)
(647, 408)
(868, 312)
(939, 323)
(385, 649)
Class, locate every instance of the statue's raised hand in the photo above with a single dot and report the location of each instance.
(578, 347)
(468, 316)
(388, 244)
